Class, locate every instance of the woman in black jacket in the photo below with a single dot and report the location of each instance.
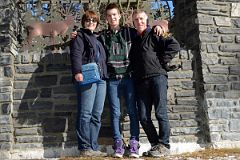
(86, 49)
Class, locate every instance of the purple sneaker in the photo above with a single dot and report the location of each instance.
(118, 149)
(133, 150)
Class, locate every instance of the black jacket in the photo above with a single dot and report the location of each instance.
(84, 49)
(150, 53)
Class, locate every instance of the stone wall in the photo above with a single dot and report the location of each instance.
(219, 33)
(8, 25)
(38, 101)
(212, 29)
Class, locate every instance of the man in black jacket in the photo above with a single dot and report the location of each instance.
(149, 57)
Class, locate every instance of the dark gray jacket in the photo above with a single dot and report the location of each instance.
(150, 53)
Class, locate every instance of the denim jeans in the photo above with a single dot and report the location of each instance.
(90, 107)
(115, 89)
(153, 91)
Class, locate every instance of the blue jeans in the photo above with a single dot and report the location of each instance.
(153, 91)
(116, 88)
(90, 107)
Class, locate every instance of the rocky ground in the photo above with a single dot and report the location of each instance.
(208, 154)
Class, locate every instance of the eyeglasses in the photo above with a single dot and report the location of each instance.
(91, 20)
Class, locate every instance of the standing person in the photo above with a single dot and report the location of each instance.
(117, 42)
(149, 57)
(86, 48)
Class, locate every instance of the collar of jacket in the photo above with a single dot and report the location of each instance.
(110, 31)
(87, 31)
(147, 30)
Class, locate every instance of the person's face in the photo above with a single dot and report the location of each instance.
(113, 17)
(140, 22)
(90, 24)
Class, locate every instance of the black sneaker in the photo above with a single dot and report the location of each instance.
(158, 151)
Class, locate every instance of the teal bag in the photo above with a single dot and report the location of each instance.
(90, 73)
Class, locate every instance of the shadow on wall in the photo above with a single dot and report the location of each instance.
(44, 108)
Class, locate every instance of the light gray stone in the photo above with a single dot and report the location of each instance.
(235, 10)
(204, 20)
(227, 39)
(212, 48)
(222, 21)
(230, 47)
(228, 61)
(215, 136)
(217, 69)
(234, 136)
(208, 38)
(225, 30)
(215, 79)
(234, 125)
(26, 131)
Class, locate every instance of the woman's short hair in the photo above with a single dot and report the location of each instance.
(89, 15)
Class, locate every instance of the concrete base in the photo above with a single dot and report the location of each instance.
(54, 153)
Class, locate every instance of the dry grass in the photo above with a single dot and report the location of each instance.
(200, 155)
(211, 153)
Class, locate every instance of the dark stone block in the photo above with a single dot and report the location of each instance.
(47, 80)
(57, 67)
(8, 72)
(236, 86)
(20, 106)
(64, 89)
(6, 108)
(235, 70)
(66, 80)
(30, 94)
(4, 40)
(5, 97)
(53, 125)
(5, 60)
(42, 105)
(65, 107)
(46, 92)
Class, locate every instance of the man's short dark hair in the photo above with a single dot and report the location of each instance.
(112, 6)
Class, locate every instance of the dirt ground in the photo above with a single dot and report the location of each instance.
(208, 154)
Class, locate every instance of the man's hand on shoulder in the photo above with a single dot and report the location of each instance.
(161, 27)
